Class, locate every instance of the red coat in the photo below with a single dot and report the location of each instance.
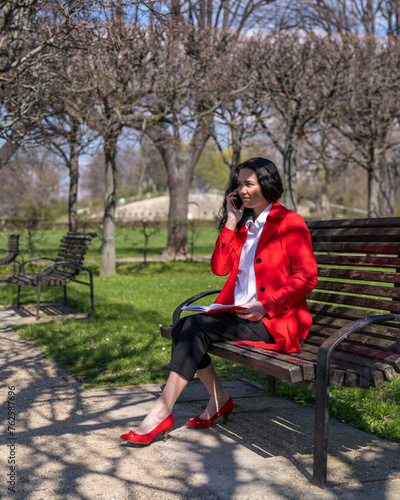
(285, 270)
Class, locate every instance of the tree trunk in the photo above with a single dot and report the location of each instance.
(142, 174)
(373, 192)
(389, 174)
(73, 179)
(373, 183)
(289, 175)
(180, 161)
(323, 208)
(179, 180)
(236, 148)
(108, 267)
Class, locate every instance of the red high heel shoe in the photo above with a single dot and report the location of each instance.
(165, 426)
(201, 423)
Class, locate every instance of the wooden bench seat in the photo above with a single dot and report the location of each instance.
(64, 269)
(354, 340)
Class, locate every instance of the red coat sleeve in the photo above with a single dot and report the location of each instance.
(223, 257)
(301, 271)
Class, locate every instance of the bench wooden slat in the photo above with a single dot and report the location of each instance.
(307, 368)
(357, 301)
(337, 311)
(362, 222)
(356, 235)
(274, 367)
(359, 275)
(73, 248)
(74, 257)
(341, 360)
(338, 377)
(342, 363)
(355, 247)
(359, 260)
(370, 336)
(359, 288)
(359, 338)
(363, 352)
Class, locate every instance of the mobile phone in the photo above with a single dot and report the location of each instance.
(237, 203)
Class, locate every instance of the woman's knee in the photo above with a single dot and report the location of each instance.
(181, 324)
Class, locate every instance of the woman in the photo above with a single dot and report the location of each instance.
(266, 250)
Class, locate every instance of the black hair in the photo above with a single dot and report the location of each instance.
(268, 178)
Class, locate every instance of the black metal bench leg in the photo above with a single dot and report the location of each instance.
(18, 296)
(321, 420)
(271, 385)
(38, 299)
(65, 295)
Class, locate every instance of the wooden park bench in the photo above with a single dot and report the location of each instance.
(65, 268)
(355, 337)
(11, 252)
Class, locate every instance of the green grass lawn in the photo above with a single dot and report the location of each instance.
(123, 346)
(129, 242)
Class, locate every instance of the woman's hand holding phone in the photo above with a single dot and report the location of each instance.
(234, 209)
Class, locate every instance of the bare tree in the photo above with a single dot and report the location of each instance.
(318, 152)
(370, 111)
(198, 36)
(180, 90)
(297, 79)
(153, 175)
(67, 138)
(33, 34)
(391, 13)
(116, 47)
(92, 179)
(234, 116)
(31, 179)
(338, 16)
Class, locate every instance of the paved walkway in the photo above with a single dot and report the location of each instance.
(67, 441)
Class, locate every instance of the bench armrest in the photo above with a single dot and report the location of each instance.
(21, 266)
(190, 300)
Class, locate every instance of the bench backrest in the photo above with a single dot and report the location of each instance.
(359, 275)
(73, 248)
(12, 249)
(13, 244)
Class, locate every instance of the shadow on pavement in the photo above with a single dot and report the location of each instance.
(67, 442)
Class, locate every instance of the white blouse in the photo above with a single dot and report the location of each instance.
(245, 287)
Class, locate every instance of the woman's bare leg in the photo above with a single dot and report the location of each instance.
(218, 395)
(164, 404)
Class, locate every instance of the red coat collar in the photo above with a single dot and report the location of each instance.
(278, 211)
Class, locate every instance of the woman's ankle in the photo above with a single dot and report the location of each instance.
(152, 419)
(215, 403)
(221, 399)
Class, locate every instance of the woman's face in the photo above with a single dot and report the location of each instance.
(250, 192)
